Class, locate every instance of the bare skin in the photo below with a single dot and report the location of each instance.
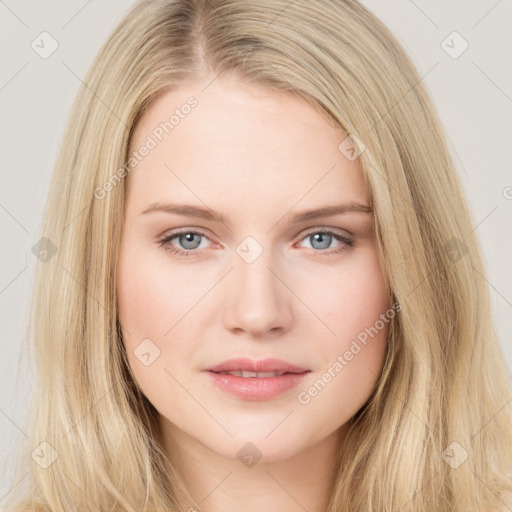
(258, 158)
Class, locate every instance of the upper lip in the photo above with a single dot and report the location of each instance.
(251, 365)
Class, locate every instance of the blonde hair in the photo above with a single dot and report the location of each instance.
(444, 391)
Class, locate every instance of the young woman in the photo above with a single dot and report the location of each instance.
(264, 288)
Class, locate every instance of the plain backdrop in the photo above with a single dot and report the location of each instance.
(461, 49)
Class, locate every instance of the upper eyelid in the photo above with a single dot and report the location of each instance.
(326, 229)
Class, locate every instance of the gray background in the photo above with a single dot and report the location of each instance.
(473, 95)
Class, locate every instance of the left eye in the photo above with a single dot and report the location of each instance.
(321, 240)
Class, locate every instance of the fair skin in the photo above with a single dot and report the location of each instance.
(256, 157)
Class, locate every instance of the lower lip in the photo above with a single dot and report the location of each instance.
(254, 388)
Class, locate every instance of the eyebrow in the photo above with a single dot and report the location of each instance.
(199, 212)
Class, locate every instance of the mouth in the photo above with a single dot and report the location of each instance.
(256, 386)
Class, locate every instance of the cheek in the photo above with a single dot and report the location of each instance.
(141, 296)
(159, 304)
(353, 360)
(352, 302)
(150, 304)
(349, 299)
(151, 298)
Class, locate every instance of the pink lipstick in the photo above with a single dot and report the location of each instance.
(256, 380)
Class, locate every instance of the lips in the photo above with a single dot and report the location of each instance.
(250, 379)
(245, 367)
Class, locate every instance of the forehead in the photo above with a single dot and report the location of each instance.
(237, 144)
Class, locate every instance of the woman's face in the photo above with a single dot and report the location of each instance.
(234, 170)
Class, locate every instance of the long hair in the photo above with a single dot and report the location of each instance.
(436, 433)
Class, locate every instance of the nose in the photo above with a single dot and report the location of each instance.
(259, 302)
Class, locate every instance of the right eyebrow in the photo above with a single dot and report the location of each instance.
(187, 210)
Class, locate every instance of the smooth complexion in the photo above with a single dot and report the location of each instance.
(257, 158)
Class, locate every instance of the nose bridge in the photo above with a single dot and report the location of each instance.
(258, 301)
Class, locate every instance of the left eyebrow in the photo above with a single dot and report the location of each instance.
(327, 211)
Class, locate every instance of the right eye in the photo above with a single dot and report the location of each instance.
(189, 241)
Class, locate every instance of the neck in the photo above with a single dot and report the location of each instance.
(217, 483)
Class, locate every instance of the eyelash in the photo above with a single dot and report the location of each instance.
(346, 242)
